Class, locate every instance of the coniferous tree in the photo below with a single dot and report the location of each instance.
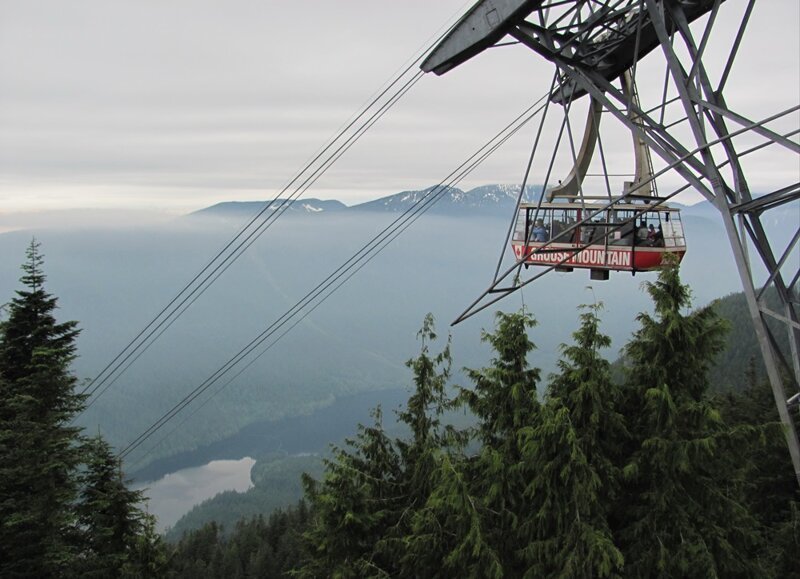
(422, 414)
(147, 553)
(771, 487)
(445, 532)
(504, 400)
(574, 451)
(108, 515)
(354, 506)
(364, 509)
(681, 511)
(38, 453)
(449, 536)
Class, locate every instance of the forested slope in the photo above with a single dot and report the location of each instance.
(573, 474)
(741, 356)
(735, 368)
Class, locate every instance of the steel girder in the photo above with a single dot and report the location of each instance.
(592, 43)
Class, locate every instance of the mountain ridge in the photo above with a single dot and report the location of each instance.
(496, 199)
(492, 199)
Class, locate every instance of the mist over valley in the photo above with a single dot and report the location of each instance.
(114, 280)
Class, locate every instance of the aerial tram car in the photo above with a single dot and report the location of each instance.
(568, 229)
(633, 230)
(626, 237)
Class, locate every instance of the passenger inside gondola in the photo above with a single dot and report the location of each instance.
(539, 232)
(658, 240)
(587, 234)
(641, 233)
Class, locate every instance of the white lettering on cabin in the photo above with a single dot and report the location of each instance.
(587, 257)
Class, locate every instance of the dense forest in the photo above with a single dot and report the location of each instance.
(654, 473)
(657, 474)
(276, 477)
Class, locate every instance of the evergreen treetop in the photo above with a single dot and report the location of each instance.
(31, 336)
(64, 508)
(684, 512)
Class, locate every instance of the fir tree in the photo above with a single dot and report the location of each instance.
(108, 514)
(771, 487)
(354, 506)
(444, 535)
(147, 552)
(504, 400)
(448, 536)
(422, 414)
(574, 450)
(364, 509)
(38, 453)
(681, 512)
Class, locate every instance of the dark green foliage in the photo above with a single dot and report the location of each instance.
(504, 401)
(684, 512)
(574, 450)
(504, 396)
(38, 453)
(741, 356)
(354, 506)
(108, 515)
(771, 488)
(64, 508)
(258, 547)
(650, 476)
(448, 536)
(366, 502)
(422, 414)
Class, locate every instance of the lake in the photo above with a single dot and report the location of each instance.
(174, 495)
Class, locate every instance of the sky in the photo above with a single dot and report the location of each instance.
(170, 106)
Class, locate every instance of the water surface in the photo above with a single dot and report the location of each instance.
(174, 495)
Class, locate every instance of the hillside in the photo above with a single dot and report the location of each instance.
(741, 362)
(113, 280)
(276, 479)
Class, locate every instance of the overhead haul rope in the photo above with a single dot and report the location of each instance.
(368, 252)
(243, 240)
(223, 265)
(339, 276)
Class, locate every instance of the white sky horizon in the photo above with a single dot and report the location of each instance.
(170, 107)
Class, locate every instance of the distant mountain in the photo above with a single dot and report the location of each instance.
(114, 279)
(486, 200)
(240, 209)
(483, 200)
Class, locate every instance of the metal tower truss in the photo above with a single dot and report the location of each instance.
(595, 45)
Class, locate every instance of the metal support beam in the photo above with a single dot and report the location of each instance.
(591, 44)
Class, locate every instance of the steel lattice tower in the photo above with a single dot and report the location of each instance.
(595, 43)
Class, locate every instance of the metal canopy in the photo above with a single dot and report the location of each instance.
(592, 43)
(609, 41)
(483, 25)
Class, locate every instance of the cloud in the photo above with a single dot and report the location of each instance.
(175, 105)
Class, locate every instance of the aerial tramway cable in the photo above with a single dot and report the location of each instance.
(244, 244)
(243, 240)
(342, 274)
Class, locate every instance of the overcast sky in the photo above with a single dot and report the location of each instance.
(174, 105)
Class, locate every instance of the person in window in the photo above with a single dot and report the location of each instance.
(587, 234)
(651, 235)
(658, 240)
(641, 234)
(539, 232)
